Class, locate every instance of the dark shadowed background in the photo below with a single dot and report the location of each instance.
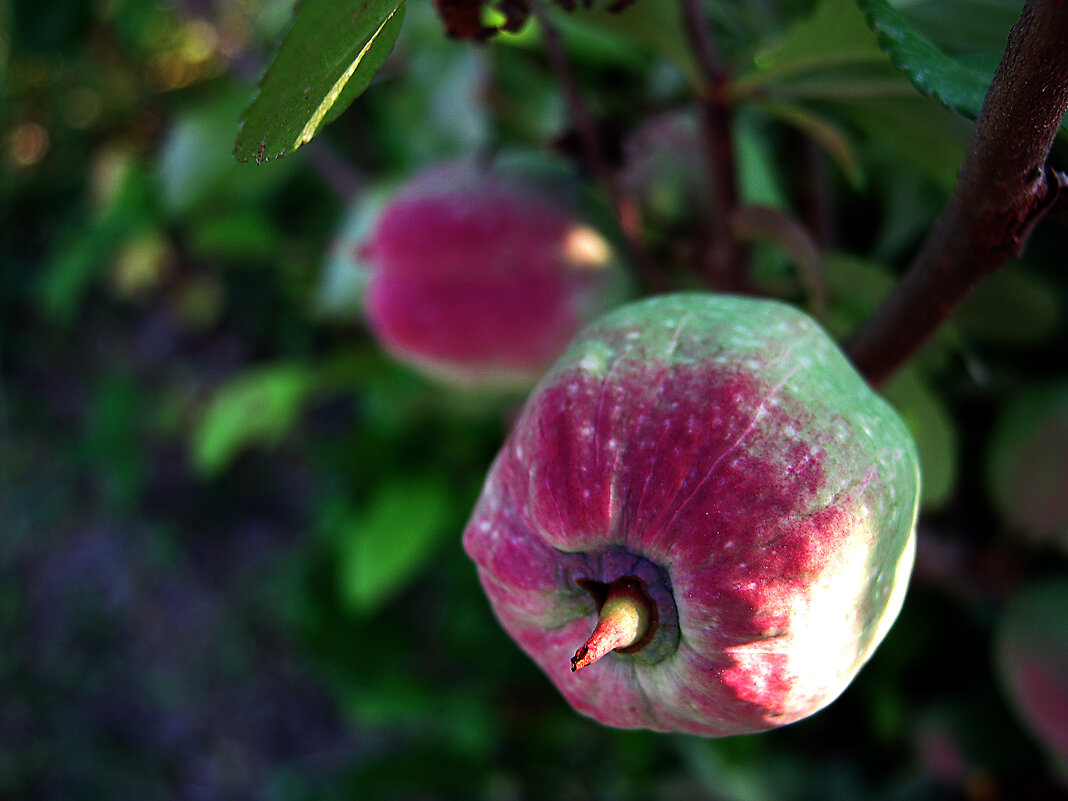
(230, 562)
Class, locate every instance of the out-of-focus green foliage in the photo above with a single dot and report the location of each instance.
(255, 407)
(230, 563)
(390, 539)
(1028, 462)
(1031, 650)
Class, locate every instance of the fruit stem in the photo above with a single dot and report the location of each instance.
(623, 621)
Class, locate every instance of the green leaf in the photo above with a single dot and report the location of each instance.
(855, 288)
(243, 234)
(824, 132)
(955, 84)
(328, 59)
(195, 171)
(1011, 306)
(391, 539)
(1027, 466)
(84, 254)
(258, 406)
(833, 36)
(916, 130)
(759, 180)
(655, 26)
(935, 434)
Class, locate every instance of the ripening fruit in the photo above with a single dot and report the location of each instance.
(705, 484)
(483, 275)
(1032, 656)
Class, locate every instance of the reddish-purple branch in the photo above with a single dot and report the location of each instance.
(723, 256)
(1003, 189)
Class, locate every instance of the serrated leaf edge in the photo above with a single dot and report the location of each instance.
(891, 43)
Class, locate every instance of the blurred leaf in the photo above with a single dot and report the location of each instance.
(916, 131)
(1031, 653)
(111, 440)
(244, 234)
(958, 82)
(327, 60)
(1027, 464)
(195, 164)
(760, 181)
(77, 262)
(392, 539)
(1011, 306)
(452, 84)
(734, 774)
(258, 406)
(910, 203)
(854, 289)
(654, 25)
(833, 36)
(933, 430)
(824, 132)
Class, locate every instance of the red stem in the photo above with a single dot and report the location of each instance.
(624, 621)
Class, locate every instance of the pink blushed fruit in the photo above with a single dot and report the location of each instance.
(483, 275)
(721, 456)
(1032, 656)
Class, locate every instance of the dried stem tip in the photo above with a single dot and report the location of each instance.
(623, 622)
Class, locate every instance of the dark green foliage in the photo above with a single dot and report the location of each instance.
(206, 462)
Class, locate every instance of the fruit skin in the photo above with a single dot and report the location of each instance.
(1031, 652)
(723, 452)
(482, 276)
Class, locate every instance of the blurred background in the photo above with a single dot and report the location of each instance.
(230, 562)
